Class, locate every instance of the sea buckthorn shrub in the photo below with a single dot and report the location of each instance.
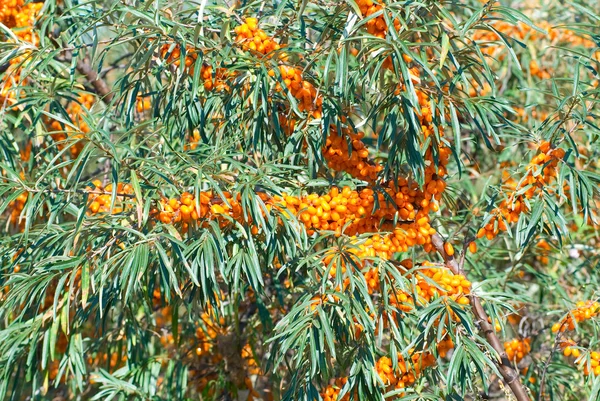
(352, 200)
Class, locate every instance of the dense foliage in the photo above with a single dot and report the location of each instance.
(313, 200)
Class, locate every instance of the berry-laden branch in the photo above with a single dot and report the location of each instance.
(509, 374)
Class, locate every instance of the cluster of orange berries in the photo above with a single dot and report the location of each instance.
(24, 21)
(112, 362)
(397, 299)
(425, 114)
(497, 223)
(20, 17)
(332, 391)
(412, 205)
(535, 114)
(172, 55)
(583, 311)
(17, 14)
(570, 350)
(16, 207)
(142, 104)
(571, 37)
(372, 280)
(541, 171)
(248, 356)
(401, 301)
(537, 71)
(347, 152)
(330, 212)
(101, 197)
(445, 283)
(407, 373)
(215, 79)
(543, 167)
(9, 9)
(544, 249)
(335, 209)
(74, 110)
(302, 90)
(517, 349)
(206, 335)
(522, 31)
(202, 343)
(375, 26)
(184, 209)
(431, 282)
(194, 140)
(444, 346)
(434, 184)
(490, 46)
(476, 89)
(252, 38)
(594, 365)
(287, 124)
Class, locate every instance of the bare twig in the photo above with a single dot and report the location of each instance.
(77, 191)
(508, 372)
(555, 347)
(100, 86)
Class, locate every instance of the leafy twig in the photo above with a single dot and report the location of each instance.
(508, 372)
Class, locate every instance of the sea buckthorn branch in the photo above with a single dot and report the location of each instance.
(541, 171)
(555, 347)
(570, 350)
(84, 66)
(508, 372)
(407, 372)
(77, 191)
(583, 311)
(100, 86)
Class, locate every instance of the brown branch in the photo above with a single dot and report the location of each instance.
(508, 372)
(100, 86)
(77, 191)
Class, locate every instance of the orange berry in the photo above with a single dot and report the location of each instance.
(449, 249)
